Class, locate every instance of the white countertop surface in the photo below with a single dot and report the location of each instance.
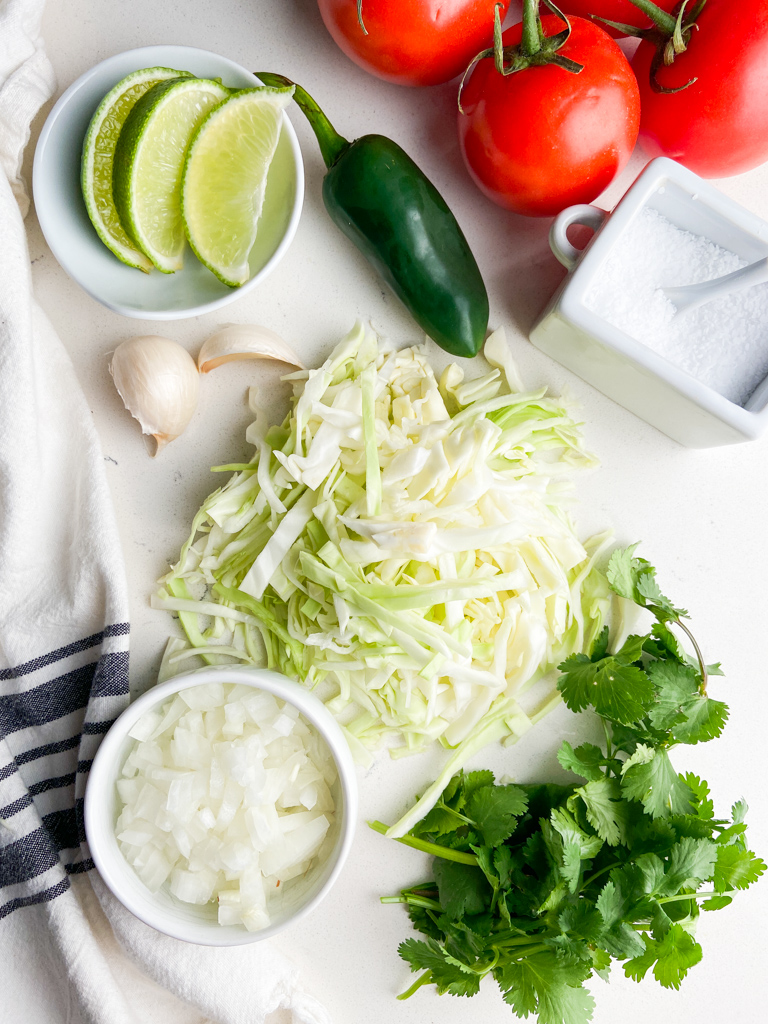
(700, 515)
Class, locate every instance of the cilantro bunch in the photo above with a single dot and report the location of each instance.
(542, 886)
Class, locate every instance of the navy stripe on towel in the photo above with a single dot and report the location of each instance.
(39, 897)
(119, 629)
(27, 858)
(65, 694)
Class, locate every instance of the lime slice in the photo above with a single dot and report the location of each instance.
(149, 159)
(98, 156)
(225, 177)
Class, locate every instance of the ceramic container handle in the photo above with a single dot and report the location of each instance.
(567, 254)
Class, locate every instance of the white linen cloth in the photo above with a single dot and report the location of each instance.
(69, 951)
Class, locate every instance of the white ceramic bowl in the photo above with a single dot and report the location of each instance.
(73, 239)
(622, 367)
(161, 910)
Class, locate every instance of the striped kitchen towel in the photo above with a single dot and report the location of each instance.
(54, 709)
(63, 596)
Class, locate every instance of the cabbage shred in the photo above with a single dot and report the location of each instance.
(400, 545)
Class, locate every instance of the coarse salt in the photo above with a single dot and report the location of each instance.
(723, 344)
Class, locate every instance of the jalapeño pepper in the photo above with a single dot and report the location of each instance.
(402, 225)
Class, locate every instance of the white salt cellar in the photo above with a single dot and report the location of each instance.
(701, 378)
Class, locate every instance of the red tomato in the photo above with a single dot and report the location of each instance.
(412, 42)
(719, 125)
(541, 139)
(615, 10)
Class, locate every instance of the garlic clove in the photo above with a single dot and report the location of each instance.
(159, 384)
(244, 341)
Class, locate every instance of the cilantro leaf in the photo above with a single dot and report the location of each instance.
(600, 645)
(701, 802)
(739, 810)
(440, 821)
(716, 902)
(680, 707)
(447, 973)
(704, 720)
(503, 864)
(736, 868)
(615, 904)
(605, 810)
(649, 591)
(618, 692)
(463, 888)
(577, 681)
(732, 833)
(648, 776)
(631, 650)
(691, 861)
(586, 760)
(423, 922)
(649, 870)
(454, 789)
(662, 643)
(568, 828)
(495, 810)
(671, 958)
(570, 866)
(548, 984)
(474, 780)
(675, 684)
(635, 579)
(581, 919)
(623, 570)
(421, 955)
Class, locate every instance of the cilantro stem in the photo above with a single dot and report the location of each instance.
(608, 743)
(412, 901)
(699, 655)
(688, 896)
(456, 814)
(602, 871)
(421, 844)
(423, 979)
(519, 940)
(538, 947)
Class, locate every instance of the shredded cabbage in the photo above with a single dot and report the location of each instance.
(402, 546)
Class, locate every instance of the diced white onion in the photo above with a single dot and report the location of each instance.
(225, 796)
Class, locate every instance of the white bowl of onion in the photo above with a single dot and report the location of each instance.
(221, 805)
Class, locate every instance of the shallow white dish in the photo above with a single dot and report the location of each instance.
(621, 367)
(161, 910)
(73, 239)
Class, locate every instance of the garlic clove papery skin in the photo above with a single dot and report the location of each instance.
(159, 384)
(244, 341)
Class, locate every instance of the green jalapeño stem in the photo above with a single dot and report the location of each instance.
(332, 145)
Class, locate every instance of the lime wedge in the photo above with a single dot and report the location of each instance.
(225, 177)
(98, 157)
(149, 159)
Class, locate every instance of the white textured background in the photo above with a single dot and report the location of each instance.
(701, 515)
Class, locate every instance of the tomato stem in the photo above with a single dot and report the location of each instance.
(532, 33)
(360, 21)
(661, 19)
(535, 49)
